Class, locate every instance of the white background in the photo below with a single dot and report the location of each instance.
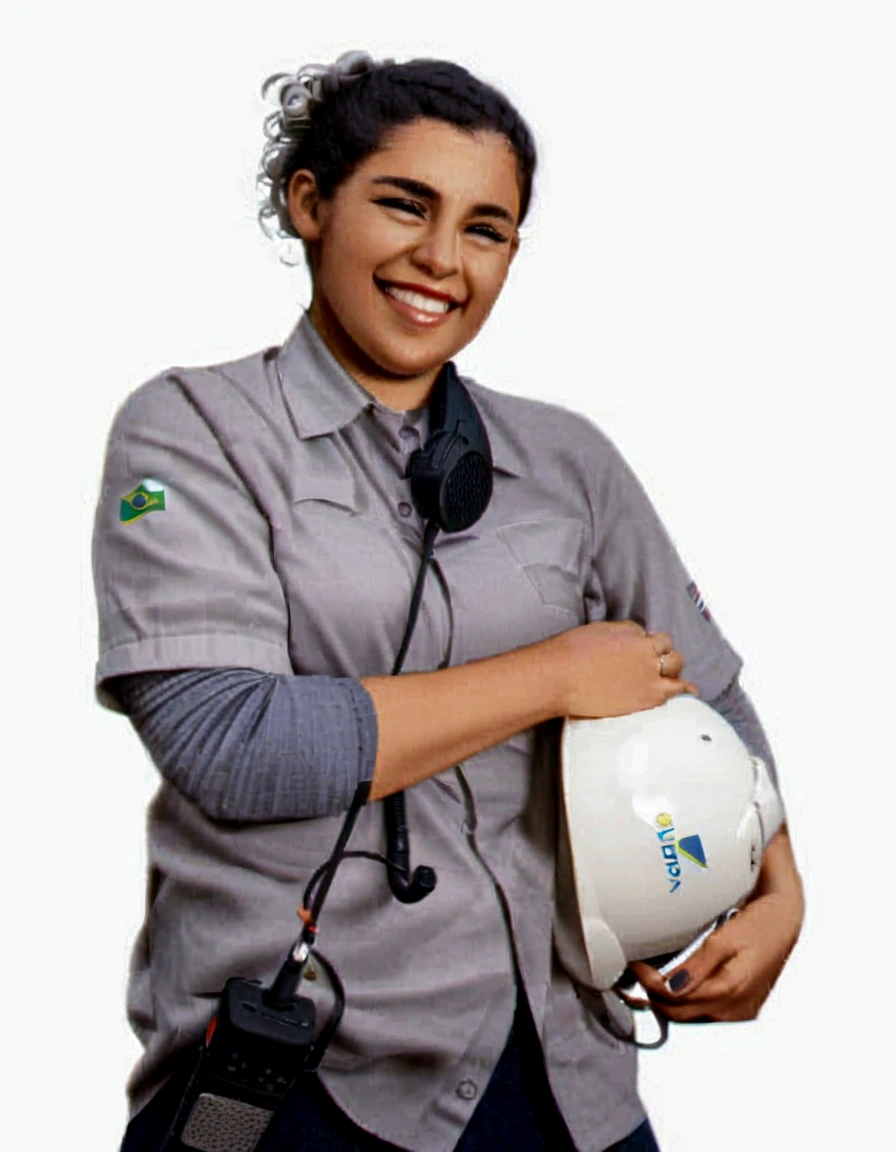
(708, 272)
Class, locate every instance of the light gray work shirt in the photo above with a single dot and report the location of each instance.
(288, 542)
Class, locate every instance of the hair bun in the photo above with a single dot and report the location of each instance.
(352, 64)
(312, 83)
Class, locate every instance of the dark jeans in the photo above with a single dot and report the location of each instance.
(517, 1113)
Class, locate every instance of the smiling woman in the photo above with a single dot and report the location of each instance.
(249, 625)
(407, 184)
(410, 253)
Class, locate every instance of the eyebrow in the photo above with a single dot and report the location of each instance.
(426, 192)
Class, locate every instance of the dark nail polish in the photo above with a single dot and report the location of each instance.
(677, 980)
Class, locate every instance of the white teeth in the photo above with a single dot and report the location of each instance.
(416, 299)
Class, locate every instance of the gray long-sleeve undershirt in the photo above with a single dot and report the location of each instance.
(257, 746)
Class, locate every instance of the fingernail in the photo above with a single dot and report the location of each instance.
(678, 979)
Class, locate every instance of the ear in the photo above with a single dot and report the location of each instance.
(303, 201)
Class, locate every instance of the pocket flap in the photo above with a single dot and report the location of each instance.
(555, 542)
(338, 490)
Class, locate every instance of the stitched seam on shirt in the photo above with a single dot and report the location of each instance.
(193, 636)
(361, 720)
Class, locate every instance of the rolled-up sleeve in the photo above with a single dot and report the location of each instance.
(638, 575)
(182, 552)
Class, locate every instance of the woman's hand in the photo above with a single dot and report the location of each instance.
(730, 976)
(611, 668)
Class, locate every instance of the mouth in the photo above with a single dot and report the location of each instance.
(419, 304)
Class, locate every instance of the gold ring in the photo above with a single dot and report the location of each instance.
(662, 664)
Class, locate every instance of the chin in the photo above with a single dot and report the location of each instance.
(410, 362)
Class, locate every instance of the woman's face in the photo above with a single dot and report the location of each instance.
(410, 253)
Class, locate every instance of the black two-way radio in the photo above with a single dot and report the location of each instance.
(261, 1039)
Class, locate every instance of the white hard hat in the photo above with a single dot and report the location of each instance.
(665, 816)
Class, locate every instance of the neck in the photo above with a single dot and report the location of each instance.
(401, 393)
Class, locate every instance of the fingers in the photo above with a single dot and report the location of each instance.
(713, 954)
(712, 984)
(624, 669)
(649, 979)
(670, 664)
(724, 1005)
(727, 995)
(670, 688)
(662, 642)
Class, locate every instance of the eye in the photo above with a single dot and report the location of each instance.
(412, 207)
(489, 233)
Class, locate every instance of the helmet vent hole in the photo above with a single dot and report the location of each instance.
(706, 738)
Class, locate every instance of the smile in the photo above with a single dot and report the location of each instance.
(416, 299)
(422, 307)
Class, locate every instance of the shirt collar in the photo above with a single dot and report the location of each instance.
(323, 397)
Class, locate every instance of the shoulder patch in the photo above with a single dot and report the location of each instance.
(148, 496)
(694, 593)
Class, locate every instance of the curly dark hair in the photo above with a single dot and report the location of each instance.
(330, 118)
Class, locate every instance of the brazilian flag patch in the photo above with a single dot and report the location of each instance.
(146, 497)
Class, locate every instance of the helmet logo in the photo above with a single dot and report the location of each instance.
(691, 847)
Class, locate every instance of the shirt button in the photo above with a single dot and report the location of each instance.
(407, 433)
(404, 508)
(466, 1090)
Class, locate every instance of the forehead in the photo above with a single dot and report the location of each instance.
(477, 167)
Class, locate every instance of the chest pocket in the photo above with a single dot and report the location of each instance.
(514, 585)
(549, 554)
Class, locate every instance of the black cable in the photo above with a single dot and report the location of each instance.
(291, 969)
(360, 799)
(446, 592)
(320, 1045)
(429, 540)
(407, 886)
(309, 887)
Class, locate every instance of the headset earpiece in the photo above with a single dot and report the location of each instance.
(451, 475)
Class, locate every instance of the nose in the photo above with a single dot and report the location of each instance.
(438, 252)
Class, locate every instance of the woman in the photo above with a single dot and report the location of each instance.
(256, 547)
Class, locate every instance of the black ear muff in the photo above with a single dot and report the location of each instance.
(451, 475)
